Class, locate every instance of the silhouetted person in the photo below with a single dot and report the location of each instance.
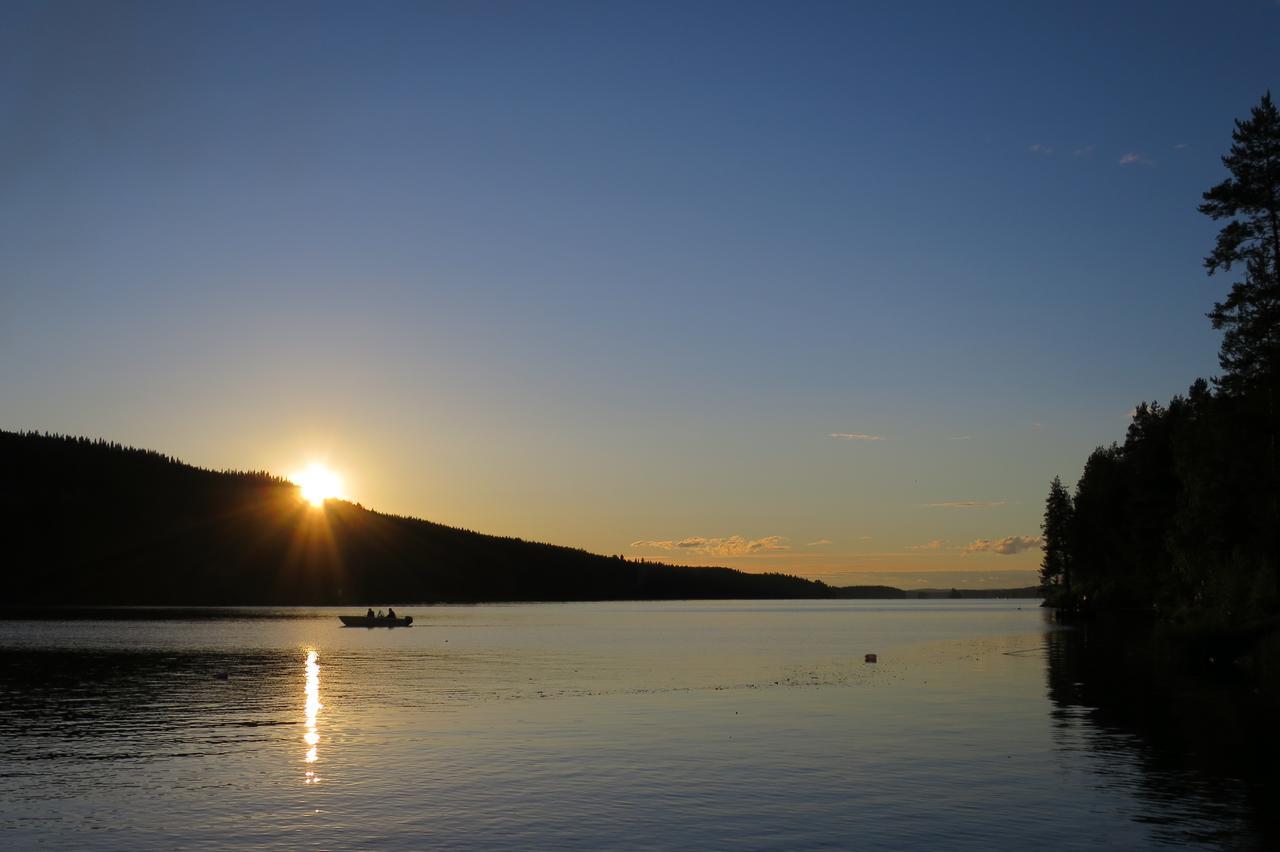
(391, 613)
(369, 614)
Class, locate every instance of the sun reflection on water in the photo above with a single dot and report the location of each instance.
(312, 709)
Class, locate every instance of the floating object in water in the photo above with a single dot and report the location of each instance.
(869, 658)
(366, 621)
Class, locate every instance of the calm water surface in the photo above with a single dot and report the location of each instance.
(652, 725)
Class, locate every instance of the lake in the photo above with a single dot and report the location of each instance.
(694, 725)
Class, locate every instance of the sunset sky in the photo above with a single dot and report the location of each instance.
(831, 289)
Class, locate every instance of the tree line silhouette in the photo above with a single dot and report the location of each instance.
(90, 522)
(1183, 518)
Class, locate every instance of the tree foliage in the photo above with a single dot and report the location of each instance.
(1184, 517)
(1175, 520)
(1055, 567)
(1250, 200)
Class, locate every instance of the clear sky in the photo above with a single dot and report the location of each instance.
(832, 289)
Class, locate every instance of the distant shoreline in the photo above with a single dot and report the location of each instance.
(265, 612)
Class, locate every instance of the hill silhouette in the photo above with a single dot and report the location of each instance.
(88, 522)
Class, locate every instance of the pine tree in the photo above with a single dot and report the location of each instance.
(1250, 198)
(1250, 317)
(1055, 567)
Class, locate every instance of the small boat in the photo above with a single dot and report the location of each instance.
(366, 621)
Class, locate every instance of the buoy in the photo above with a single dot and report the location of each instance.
(870, 658)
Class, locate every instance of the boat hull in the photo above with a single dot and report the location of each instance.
(366, 621)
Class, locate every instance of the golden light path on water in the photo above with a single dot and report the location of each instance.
(312, 709)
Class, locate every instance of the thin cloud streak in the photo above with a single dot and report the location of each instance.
(734, 545)
(967, 504)
(852, 436)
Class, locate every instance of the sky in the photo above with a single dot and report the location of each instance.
(833, 289)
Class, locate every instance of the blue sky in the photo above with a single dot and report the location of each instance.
(614, 275)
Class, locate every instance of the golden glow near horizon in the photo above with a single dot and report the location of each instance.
(311, 709)
(318, 483)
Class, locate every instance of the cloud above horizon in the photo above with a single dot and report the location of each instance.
(966, 504)
(853, 436)
(1006, 546)
(734, 545)
(936, 544)
(1132, 159)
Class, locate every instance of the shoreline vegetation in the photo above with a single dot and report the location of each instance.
(1181, 522)
(95, 524)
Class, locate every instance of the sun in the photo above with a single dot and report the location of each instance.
(318, 483)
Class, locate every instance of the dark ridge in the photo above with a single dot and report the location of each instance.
(92, 523)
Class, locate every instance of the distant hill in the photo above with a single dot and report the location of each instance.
(86, 522)
(933, 594)
(867, 592)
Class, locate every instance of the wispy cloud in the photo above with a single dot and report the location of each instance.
(855, 436)
(1181, 146)
(936, 544)
(1040, 149)
(819, 542)
(1084, 150)
(966, 504)
(1006, 546)
(1132, 159)
(960, 438)
(734, 545)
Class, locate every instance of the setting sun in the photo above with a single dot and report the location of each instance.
(318, 483)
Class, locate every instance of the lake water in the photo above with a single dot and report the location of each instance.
(611, 725)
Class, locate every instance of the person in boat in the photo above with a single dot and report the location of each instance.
(391, 614)
(369, 614)
(380, 615)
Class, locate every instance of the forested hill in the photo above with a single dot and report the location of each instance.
(89, 522)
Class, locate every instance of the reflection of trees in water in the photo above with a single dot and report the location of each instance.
(95, 705)
(1199, 753)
